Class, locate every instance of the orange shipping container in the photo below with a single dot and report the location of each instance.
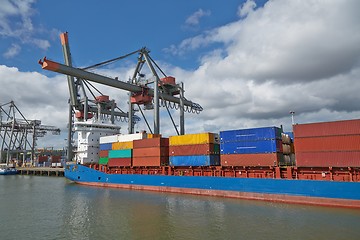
(119, 162)
(346, 127)
(151, 142)
(151, 152)
(103, 153)
(328, 159)
(195, 149)
(328, 143)
(122, 145)
(150, 161)
(255, 159)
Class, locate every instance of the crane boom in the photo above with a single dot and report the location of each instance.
(79, 73)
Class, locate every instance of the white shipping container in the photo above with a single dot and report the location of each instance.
(108, 139)
(53, 164)
(131, 137)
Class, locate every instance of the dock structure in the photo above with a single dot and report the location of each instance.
(41, 171)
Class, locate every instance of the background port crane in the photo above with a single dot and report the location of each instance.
(151, 93)
(18, 135)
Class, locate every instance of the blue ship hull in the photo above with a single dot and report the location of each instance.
(326, 193)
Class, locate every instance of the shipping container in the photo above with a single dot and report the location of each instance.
(103, 160)
(120, 162)
(251, 134)
(328, 159)
(104, 153)
(328, 143)
(151, 152)
(195, 160)
(122, 145)
(151, 142)
(255, 159)
(106, 146)
(245, 147)
(150, 161)
(347, 127)
(124, 153)
(195, 149)
(108, 139)
(131, 137)
(189, 139)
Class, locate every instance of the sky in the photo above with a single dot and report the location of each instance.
(248, 63)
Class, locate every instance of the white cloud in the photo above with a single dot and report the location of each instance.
(12, 51)
(288, 55)
(194, 19)
(16, 22)
(246, 8)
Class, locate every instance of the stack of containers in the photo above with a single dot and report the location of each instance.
(116, 150)
(105, 146)
(251, 147)
(328, 144)
(151, 152)
(200, 149)
(288, 150)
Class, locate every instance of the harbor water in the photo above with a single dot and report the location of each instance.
(38, 207)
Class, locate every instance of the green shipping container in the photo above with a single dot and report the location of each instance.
(103, 160)
(123, 153)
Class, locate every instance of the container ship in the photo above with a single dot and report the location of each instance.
(317, 163)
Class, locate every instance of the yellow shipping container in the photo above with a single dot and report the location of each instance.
(191, 139)
(122, 145)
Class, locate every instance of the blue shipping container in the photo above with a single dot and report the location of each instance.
(245, 147)
(195, 160)
(105, 146)
(250, 134)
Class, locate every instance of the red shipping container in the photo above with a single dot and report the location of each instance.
(55, 159)
(328, 159)
(119, 162)
(254, 159)
(328, 143)
(151, 152)
(150, 161)
(104, 153)
(151, 142)
(346, 127)
(194, 149)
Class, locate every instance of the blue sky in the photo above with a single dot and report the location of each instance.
(248, 63)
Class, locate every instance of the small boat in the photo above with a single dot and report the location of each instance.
(8, 171)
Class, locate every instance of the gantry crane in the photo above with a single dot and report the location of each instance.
(18, 135)
(151, 93)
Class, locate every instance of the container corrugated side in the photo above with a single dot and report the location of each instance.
(194, 149)
(120, 162)
(104, 153)
(328, 159)
(198, 138)
(150, 161)
(195, 160)
(256, 159)
(151, 152)
(250, 134)
(245, 147)
(328, 143)
(103, 161)
(108, 139)
(105, 146)
(346, 127)
(124, 153)
(151, 142)
(131, 137)
(122, 145)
